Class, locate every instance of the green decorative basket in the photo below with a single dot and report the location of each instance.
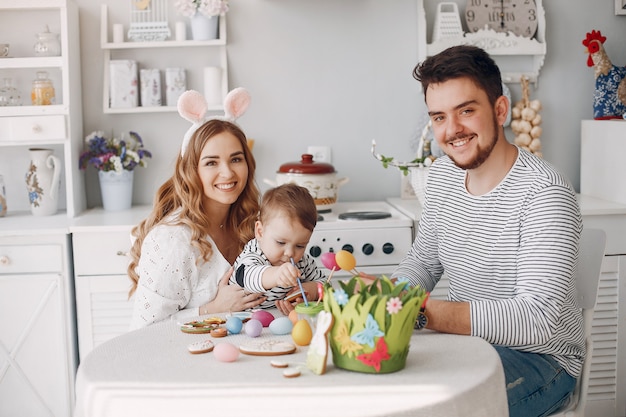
(373, 323)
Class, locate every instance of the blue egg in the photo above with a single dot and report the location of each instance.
(281, 325)
(234, 325)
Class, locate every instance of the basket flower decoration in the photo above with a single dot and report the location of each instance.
(373, 323)
(208, 8)
(114, 154)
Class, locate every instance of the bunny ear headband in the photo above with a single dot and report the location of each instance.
(192, 106)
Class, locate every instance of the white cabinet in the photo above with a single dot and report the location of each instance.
(101, 241)
(189, 54)
(57, 126)
(516, 56)
(37, 335)
(602, 151)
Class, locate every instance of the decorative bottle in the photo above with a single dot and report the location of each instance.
(47, 44)
(3, 198)
(9, 95)
(42, 93)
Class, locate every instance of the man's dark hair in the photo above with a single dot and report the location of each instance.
(461, 61)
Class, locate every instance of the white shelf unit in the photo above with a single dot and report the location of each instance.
(515, 55)
(194, 76)
(57, 126)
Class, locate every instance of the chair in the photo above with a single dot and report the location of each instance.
(590, 255)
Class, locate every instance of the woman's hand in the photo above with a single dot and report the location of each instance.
(231, 298)
(287, 307)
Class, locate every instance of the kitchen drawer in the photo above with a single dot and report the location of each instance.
(101, 253)
(32, 128)
(17, 259)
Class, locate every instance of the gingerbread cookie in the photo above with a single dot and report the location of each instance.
(269, 347)
(219, 332)
(318, 349)
(201, 347)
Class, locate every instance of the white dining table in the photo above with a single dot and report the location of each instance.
(150, 372)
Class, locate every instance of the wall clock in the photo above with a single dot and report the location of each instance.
(517, 16)
(511, 31)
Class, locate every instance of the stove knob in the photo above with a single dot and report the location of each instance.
(368, 249)
(388, 248)
(315, 251)
(348, 247)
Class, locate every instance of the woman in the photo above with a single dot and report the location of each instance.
(202, 218)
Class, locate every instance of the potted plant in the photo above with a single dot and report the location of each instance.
(203, 15)
(115, 160)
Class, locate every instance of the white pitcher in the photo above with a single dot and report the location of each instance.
(43, 180)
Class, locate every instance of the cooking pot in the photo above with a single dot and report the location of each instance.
(318, 177)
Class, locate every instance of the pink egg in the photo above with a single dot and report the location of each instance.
(328, 259)
(253, 328)
(226, 352)
(265, 317)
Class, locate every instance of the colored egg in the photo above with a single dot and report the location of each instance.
(345, 260)
(226, 352)
(281, 325)
(293, 316)
(253, 328)
(234, 325)
(301, 333)
(265, 317)
(328, 260)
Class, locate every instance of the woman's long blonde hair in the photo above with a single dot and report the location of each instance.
(184, 191)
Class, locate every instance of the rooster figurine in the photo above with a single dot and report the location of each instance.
(609, 97)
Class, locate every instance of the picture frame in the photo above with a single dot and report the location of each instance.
(620, 7)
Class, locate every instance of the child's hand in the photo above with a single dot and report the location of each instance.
(286, 275)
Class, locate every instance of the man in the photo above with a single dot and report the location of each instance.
(504, 225)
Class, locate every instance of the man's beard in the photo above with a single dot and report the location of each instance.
(483, 153)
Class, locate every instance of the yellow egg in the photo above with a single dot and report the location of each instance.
(302, 333)
(345, 260)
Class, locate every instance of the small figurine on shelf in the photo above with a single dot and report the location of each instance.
(148, 20)
(609, 97)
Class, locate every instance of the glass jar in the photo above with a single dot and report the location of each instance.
(3, 198)
(9, 95)
(42, 93)
(47, 44)
(309, 313)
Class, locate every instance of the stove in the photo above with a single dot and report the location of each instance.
(375, 232)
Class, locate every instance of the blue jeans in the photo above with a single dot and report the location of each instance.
(536, 385)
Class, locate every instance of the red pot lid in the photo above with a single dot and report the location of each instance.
(306, 166)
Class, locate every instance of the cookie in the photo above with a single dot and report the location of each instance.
(201, 347)
(291, 373)
(269, 347)
(279, 364)
(219, 332)
(318, 348)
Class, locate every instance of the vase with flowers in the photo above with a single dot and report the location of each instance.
(204, 16)
(115, 159)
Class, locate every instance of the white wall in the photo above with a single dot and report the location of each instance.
(338, 73)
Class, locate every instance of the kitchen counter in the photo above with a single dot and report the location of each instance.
(97, 218)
